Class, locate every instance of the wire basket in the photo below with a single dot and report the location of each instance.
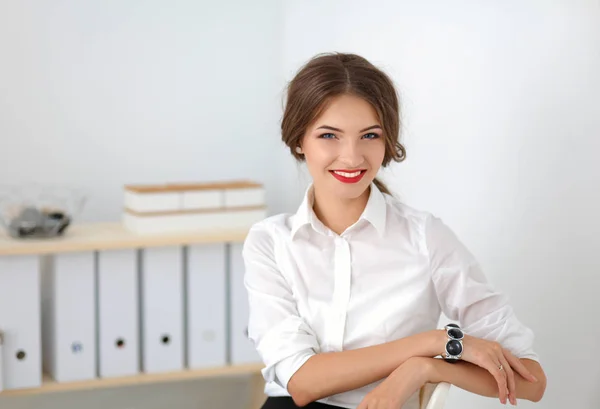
(39, 211)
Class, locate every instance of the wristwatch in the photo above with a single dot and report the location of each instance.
(454, 345)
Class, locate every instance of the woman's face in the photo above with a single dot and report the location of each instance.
(344, 148)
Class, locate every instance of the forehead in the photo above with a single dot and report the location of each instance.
(348, 112)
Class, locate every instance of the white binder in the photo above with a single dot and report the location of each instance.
(242, 349)
(206, 305)
(69, 318)
(1, 364)
(162, 309)
(20, 321)
(118, 313)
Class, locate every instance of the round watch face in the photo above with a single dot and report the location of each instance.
(452, 325)
(455, 333)
(454, 348)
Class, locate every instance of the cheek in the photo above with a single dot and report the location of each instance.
(318, 159)
(376, 154)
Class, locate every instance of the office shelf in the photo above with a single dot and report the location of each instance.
(112, 235)
(100, 236)
(50, 386)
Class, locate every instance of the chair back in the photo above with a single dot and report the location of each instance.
(434, 395)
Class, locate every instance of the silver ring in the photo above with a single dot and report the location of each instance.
(500, 368)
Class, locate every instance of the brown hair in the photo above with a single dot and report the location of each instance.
(332, 74)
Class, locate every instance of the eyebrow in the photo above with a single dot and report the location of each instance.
(331, 128)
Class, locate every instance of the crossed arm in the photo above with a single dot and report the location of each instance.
(326, 374)
(473, 378)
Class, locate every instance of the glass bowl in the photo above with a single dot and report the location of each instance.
(39, 211)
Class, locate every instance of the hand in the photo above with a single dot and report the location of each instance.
(492, 357)
(400, 385)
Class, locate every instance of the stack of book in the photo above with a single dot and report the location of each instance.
(193, 206)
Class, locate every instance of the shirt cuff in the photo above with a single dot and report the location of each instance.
(286, 368)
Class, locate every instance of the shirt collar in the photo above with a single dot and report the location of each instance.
(374, 213)
(376, 210)
(305, 214)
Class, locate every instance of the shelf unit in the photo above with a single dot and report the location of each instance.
(107, 236)
(113, 235)
(50, 386)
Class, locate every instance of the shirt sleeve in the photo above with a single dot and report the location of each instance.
(465, 294)
(281, 336)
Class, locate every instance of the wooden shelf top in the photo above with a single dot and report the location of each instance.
(112, 235)
(51, 386)
(190, 187)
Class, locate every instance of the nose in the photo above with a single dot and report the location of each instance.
(351, 154)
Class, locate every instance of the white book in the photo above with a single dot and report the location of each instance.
(152, 202)
(20, 321)
(244, 197)
(242, 348)
(69, 316)
(118, 313)
(202, 199)
(200, 221)
(162, 309)
(175, 197)
(1, 361)
(206, 305)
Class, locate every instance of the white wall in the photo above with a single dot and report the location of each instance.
(103, 93)
(502, 128)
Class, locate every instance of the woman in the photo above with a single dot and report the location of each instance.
(345, 295)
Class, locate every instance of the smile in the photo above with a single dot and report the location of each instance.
(348, 176)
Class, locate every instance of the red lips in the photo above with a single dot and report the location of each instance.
(348, 176)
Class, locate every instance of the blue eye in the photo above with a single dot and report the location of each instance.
(327, 136)
(371, 135)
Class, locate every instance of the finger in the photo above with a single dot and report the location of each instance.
(493, 367)
(499, 375)
(510, 378)
(518, 366)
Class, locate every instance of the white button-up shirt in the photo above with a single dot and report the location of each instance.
(388, 276)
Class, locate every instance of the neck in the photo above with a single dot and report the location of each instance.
(339, 214)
